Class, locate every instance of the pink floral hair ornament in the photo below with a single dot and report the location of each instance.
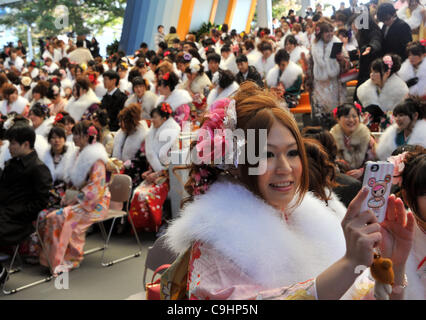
(216, 131)
(388, 61)
(92, 132)
(399, 165)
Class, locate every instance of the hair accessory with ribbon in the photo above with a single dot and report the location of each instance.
(166, 76)
(358, 106)
(398, 169)
(165, 107)
(92, 131)
(166, 53)
(187, 57)
(58, 117)
(388, 61)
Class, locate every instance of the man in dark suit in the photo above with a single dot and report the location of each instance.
(113, 101)
(247, 72)
(396, 32)
(213, 60)
(24, 188)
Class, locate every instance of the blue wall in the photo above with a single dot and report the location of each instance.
(201, 14)
(241, 13)
(222, 7)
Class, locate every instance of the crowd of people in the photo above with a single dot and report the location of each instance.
(69, 123)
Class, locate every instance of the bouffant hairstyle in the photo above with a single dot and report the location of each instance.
(416, 49)
(82, 127)
(40, 110)
(130, 116)
(414, 179)
(281, 55)
(324, 137)
(83, 83)
(344, 109)
(42, 88)
(380, 66)
(158, 110)
(322, 172)
(8, 89)
(171, 82)
(256, 109)
(226, 78)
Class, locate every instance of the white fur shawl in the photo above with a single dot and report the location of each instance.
(149, 101)
(199, 83)
(126, 147)
(58, 172)
(227, 92)
(387, 143)
(82, 162)
(288, 77)
(177, 98)
(159, 142)
(359, 141)
(18, 106)
(296, 54)
(324, 66)
(252, 234)
(229, 64)
(45, 127)
(76, 108)
(262, 66)
(408, 72)
(393, 92)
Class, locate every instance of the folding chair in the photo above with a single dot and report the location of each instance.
(157, 255)
(13, 270)
(120, 188)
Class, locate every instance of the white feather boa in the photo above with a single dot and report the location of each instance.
(253, 234)
(214, 95)
(408, 72)
(393, 92)
(82, 162)
(45, 127)
(126, 147)
(288, 77)
(387, 143)
(324, 67)
(18, 106)
(76, 108)
(59, 172)
(177, 98)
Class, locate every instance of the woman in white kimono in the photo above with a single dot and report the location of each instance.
(227, 86)
(149, 196)
(413, 69)
(83, 102)
(266, 61)
(40, 117)
(13, 102)
(268, 242)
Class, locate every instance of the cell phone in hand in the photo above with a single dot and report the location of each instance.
(378, 180)
(336, 49)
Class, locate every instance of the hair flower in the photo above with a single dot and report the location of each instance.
(166, 76)
(92, 132)
(398, 169)
(59, 117)
(388, 61)
(165, 107)
(187, 57)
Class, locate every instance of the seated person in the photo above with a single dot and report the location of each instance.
(247, 72)
(20, 201)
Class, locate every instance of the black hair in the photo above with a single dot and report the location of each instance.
(416, 49)
(225, 48)
(134, 73)
(40, 110)
(226, 78)
(111, 74)
(172, 30)
(160, 112)
(241, 58)
(380, 66)
(385, 11)
(176, 40)
(82, 127)
(213, 57)
(21, 133)
(139, 81)
(163, 45)
(281, 55)
(160, 26)
(143, 45)
(58, 130)
(102, 116)
(409, 107)
(155, 60)
(344, 109)
(80, 43)
(172, 82)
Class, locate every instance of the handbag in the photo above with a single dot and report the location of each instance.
(350, 75)
(153, 288)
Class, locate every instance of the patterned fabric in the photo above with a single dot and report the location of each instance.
(146, 208)
(63, 231)
(213, 276)
(182, 114)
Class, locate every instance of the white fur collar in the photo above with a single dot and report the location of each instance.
(159, 142)
(407, 72)
(393, 92)
(126, 147)
(18, 106)
(416, 289)
(76, 108)
(58, 173)
(199, 83)
(324, 66)
(81, 163)
(227, 92)
(45, 127)
(177, 98)
(288, 77)
(296, 54)
(360, 140)
(254, 236)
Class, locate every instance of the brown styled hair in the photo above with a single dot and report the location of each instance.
(131, 115)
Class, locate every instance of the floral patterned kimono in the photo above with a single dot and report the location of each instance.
(63, 231)
(147, 203)
(179, 101)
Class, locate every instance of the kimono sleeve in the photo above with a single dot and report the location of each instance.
(212, 276)
(93, 192)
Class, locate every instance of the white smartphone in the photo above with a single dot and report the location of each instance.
(378, 179)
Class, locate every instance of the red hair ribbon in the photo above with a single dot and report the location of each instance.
(358, 106)
(335, 112)
(165, 107)
(166, 76)
(166, 53)
(59, 117)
